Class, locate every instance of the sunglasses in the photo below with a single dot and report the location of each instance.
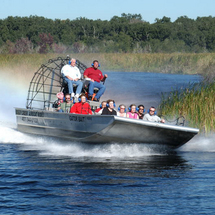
(152, 110)
(67, 98)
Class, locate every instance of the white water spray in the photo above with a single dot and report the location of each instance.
(200, 144)
(54, 147)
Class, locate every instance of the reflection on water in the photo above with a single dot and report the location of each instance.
(163, 165)
(144, 88)
(103, 185)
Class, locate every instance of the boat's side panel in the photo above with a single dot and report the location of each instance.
(101, 129)
(65, 125)
(131, 132)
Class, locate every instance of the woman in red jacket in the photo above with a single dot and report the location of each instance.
(81, 107)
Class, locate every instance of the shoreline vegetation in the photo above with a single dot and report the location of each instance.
(196, 103)
(175, 63)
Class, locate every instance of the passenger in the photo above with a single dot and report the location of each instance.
(59, 100)
(122, 111)
(152, 117)
(95, 76)
(132, 112)
(100, 109)
(66, 106)
(60, 97)
(109, 110)
(71, 75)
(81, 107)
(141, 110)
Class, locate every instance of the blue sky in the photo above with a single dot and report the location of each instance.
(106, 9)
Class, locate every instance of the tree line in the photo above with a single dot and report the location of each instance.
(126, 34)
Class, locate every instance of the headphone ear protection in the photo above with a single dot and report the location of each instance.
(79, 99)
(139, 108)
(93, 64)
(154, 112)
(119, 109)
(100, 106)
(70, 62)
(130, 108)
(107, 105)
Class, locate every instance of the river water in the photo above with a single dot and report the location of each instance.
(42, 175)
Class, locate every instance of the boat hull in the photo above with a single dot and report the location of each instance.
(101, 129)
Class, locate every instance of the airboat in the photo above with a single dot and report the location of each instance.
(41, 118)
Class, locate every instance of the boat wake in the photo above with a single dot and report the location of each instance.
(200, 144)
(53, 147)
(48, 146)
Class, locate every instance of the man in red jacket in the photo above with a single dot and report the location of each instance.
(81, 107)
(95, 76)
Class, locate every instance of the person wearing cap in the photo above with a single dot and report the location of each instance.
(60, 97)
(59, 100)
(71, 75)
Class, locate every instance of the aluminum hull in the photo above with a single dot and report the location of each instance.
(101, 129)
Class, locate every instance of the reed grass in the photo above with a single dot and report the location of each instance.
(164, 63)
(195, 103)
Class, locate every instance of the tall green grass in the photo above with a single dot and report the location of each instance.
(165, 63)
(196, 104)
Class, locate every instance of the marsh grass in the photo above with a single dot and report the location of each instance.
(195, 103)
(164, 63)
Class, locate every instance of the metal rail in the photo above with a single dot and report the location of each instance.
(47, 82)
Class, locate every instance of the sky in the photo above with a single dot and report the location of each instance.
(106, 9)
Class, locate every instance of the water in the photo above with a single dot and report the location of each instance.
(43, 175)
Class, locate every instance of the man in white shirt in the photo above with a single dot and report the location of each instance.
(152, 117)
(72, 75)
